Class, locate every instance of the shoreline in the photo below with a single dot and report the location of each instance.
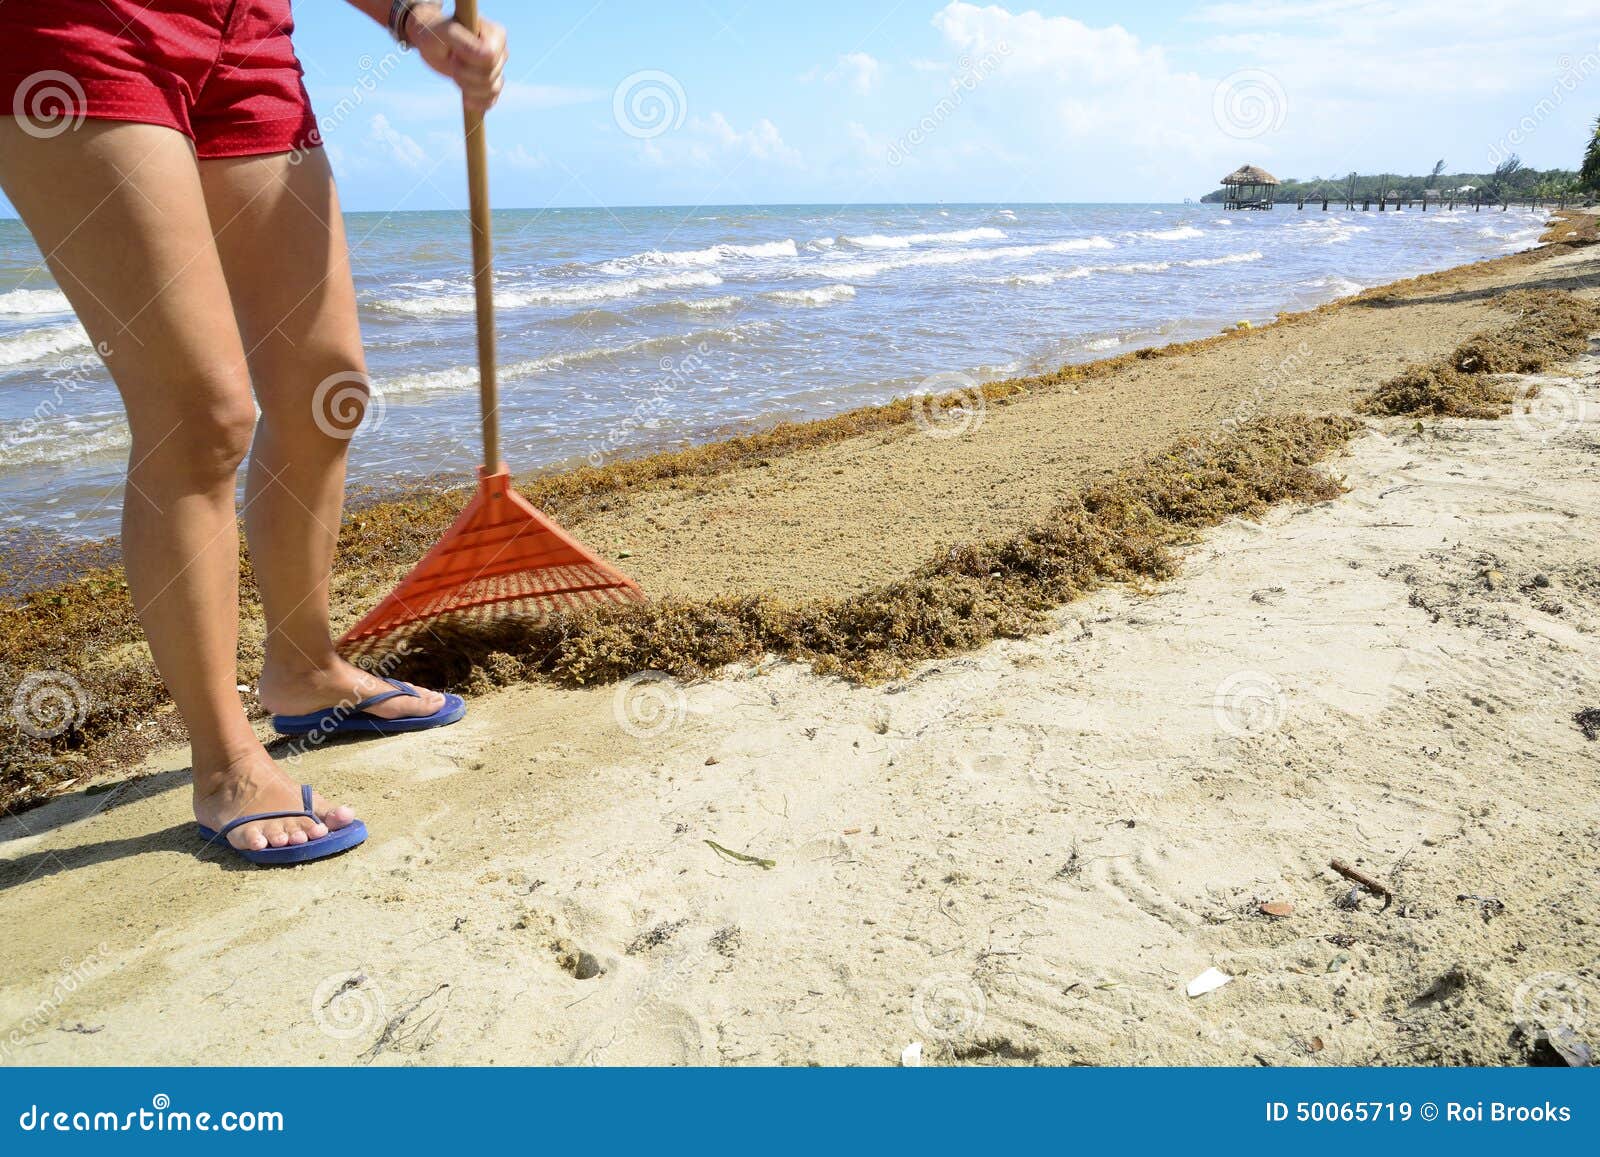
(1019, 855)
(1189, 311)
(381, 538)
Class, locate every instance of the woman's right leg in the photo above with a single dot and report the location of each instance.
(119, 213)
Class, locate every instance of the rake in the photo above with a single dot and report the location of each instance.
(501, 555)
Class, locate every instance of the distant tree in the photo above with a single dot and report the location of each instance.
(1509, 180)
(1557, 185)
(1504, 179)
(1589, 175)
(1433, 177)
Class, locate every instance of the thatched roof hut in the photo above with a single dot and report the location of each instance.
(1248, 187)
(1249, 175)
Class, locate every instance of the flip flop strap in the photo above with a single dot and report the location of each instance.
(383, 697)
(305, 800)
(242, 820)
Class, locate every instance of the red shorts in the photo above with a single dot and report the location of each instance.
(222, 72)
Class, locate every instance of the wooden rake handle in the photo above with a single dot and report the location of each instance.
(466, 14)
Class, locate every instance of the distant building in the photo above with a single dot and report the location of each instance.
(1248, 187)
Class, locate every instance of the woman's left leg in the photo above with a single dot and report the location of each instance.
(281, 239)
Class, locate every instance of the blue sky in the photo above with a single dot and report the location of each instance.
(922, 100)
(919, 100)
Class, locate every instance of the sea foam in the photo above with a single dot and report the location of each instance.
(465, 377)
(36, 344)
(822, 295)
(907, 240)
(34, 302)
(1181, 233)
(851, 270)
(699, 258)
(576, 295)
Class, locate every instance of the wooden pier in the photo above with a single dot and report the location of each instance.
(1449, 203)
(1251, 187)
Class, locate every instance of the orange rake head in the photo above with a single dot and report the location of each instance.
(502, 553)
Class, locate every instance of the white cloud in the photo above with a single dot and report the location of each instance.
(1058, 46)
(864, 139)
(400, 147)
(1100, 90)
(1423, 47)
(521, 157)
(1300, 86)
(712, 144)
(858, 70)
(761, 141)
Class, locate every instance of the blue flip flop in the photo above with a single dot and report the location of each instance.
(344, 720)
(340, 840)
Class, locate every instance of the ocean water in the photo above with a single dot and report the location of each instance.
(632, 329)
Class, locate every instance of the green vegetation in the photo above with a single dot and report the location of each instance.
(1509, 179)
(1589, 175)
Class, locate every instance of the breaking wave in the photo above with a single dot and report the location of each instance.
(34, 344)
(822, 295)
(525, 298)
(699, 258)
(907, 240)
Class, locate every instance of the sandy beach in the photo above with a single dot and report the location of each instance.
(1019, 854)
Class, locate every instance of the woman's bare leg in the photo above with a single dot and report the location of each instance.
(119, 212)
(282, 245)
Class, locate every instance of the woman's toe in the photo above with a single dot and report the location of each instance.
(252, 839)
(428, 702)
(333, 818)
